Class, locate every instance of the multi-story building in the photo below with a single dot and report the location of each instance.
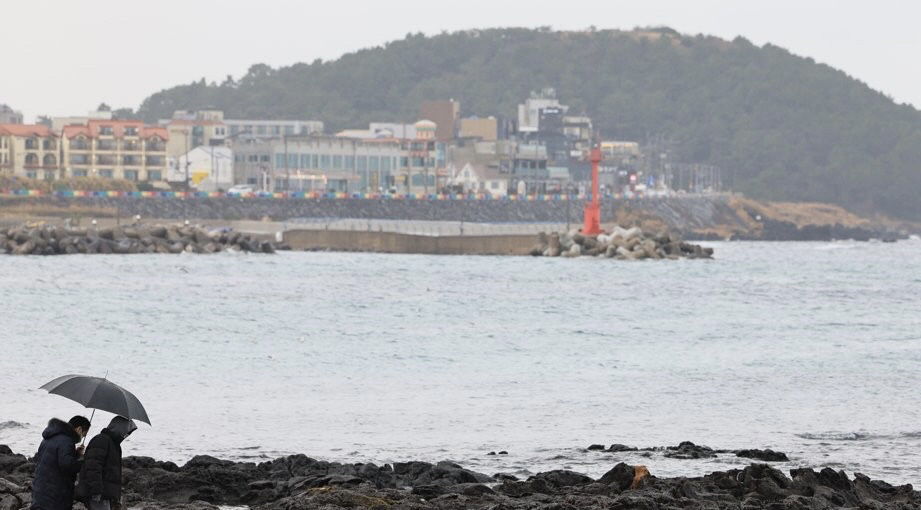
(9, 115)
(190, 129)
(114, 149)
(445, 114)
(529, 113)
(251, 128)
(29, 150)
(317, 163)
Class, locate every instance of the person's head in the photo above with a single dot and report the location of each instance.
(80, 424)
(122, 427)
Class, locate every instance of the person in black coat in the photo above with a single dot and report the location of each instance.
(57, 463)
(100, 485)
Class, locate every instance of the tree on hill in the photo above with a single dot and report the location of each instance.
(781, 126)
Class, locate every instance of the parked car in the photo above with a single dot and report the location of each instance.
(241, 189)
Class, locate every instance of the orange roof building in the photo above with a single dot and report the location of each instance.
(29, 150)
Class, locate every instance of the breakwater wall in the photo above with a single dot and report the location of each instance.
(394, 242)
(693, 217)
(672, 209)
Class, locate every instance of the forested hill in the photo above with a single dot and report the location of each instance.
(782, 127)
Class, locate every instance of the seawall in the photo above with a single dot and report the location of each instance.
(394, 242)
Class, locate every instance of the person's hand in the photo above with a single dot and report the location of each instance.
(80, 450)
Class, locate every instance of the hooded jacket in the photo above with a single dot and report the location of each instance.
(102, 466)
(56, 467)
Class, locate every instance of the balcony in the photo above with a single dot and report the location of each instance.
(79, 159)
(155, 161)
(156, 146)
(131, 160)
(105, 145)
(103, 159)
(131, 146)
(79, 146)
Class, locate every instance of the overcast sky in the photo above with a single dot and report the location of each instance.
(64, 57)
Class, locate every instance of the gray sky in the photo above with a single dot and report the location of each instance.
(64, 57)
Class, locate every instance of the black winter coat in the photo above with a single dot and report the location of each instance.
(102, 468)
(56, 467)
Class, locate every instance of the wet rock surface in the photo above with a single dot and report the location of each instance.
(134, 239)
(299, 482)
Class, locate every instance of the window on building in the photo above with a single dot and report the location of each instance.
(289, 130)
(292, 160)
(154, 175)
(385, 164)
(131, 175)
(131, 131)
(362, 163)
(373, 163)
(264, 158)
(79, 173)
(49, 175)
(324, 161)
(279, 160)
(494, 184)
(404, 161)
(305, 161)
(350, 162)
(337, 162)
(31, 174)
(276, 130)
(105, 130)
(105, 172)
(314, 161)
(260, 130)
(253, 158)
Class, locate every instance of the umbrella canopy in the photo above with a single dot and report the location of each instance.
(98, 393)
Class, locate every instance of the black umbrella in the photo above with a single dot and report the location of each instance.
(98, 393)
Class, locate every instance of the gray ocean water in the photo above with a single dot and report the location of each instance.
(813, 349)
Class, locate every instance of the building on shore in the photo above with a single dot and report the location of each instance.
(445, 114)
(114, 149)
(9, 115)
(29, 151)
(264, 129)
(204, 168)
(318, 163)
(189, 129)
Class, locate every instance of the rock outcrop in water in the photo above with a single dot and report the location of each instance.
(51, 240)
(299, 482)
(621, 243)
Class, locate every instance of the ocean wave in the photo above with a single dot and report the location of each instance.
(838, 436)
(12, 425)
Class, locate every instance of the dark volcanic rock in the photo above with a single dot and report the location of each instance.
(689, 450)
(298, 482)
(765, 455)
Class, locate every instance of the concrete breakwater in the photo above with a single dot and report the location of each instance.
(621, 243)
(52, 240)
(298, 482)
(716, 216)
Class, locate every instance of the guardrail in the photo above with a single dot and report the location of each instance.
(338, 195)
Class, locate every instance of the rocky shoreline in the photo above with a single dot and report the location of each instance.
(298, 482)
(51, 240)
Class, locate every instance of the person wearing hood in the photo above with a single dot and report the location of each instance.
(100, 485)
(57, 463)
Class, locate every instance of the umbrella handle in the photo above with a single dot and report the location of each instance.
(91, 423)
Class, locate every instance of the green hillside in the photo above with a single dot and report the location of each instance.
(781, 126)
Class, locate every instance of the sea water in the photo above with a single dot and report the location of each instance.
(812, 349)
